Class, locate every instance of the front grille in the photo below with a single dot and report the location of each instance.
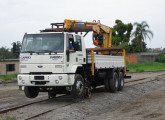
(39, 82)
(40, 73)
(39, 77)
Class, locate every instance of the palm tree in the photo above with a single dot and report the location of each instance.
(142, 32)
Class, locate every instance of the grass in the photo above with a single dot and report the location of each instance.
(8, 77)
(8, 118)
(148, 66)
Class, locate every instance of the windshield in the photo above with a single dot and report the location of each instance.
(43, 43)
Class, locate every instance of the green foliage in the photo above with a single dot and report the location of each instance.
(126, 46)
(8, 77)
(141, 33)
(8, 118)
(6, 53)
(161, 58)
(135, 46)
(121, 34)
(122, 30)
(149, 66)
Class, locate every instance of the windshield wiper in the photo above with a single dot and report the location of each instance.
(29, 52)
(46, 51)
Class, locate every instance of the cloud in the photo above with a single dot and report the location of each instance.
(20, 16)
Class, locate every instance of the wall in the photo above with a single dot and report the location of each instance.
(8, 61)
(142, 57)
(147, 57)
(132, 58)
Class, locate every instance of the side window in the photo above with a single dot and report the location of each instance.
(67, 42)
(78, 42)
(70, 41)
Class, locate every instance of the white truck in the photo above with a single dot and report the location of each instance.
(48, 64)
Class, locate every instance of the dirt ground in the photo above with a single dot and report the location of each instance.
(139, 102)
(148, 107)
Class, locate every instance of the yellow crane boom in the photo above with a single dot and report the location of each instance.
(97, 29)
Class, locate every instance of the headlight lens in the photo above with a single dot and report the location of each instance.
(20, 77)
(56, 81)
(60, 77)
(23, 82)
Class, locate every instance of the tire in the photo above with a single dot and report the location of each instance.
(113, 83)
(121, 81)
(106, 84)
(52, 94)
(78, 87)
(88, 92)
(31, 92)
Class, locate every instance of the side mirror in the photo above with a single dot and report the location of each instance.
(14, 47)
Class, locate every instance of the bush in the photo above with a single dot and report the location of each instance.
(161, 58)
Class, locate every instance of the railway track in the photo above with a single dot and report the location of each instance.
(127, 84)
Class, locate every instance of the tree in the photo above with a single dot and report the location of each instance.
(141, 33)
(121, 34)
(6, 53)
(135, 46)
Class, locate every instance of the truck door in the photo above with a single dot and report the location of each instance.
(75, 55)
(78, 44)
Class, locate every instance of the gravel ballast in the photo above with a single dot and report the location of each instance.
(100, 105)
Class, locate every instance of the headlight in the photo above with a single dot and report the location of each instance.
(56, 81)
(60, 77)
(23, 82)
(20, 77)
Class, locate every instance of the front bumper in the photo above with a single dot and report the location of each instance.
(46, 80)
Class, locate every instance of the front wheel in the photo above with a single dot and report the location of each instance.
(121, 81)
(78, 87)
(31, 92)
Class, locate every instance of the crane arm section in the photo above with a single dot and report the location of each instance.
(101, 33)
(97, 29)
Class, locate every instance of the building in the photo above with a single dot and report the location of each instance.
(9, 66)
(156, 50)
(142, 57)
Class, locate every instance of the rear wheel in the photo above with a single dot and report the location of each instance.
(78, 87)
(113, 83)
(31, 92)
(88, 92)
(121, 81)
(106, 84)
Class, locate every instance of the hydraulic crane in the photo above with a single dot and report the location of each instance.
(102, 35)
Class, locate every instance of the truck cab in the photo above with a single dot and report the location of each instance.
(46, 61)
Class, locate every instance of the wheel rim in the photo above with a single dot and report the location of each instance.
(89, 92)
(122, 82)
(79, 87)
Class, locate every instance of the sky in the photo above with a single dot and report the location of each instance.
(18, 17)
